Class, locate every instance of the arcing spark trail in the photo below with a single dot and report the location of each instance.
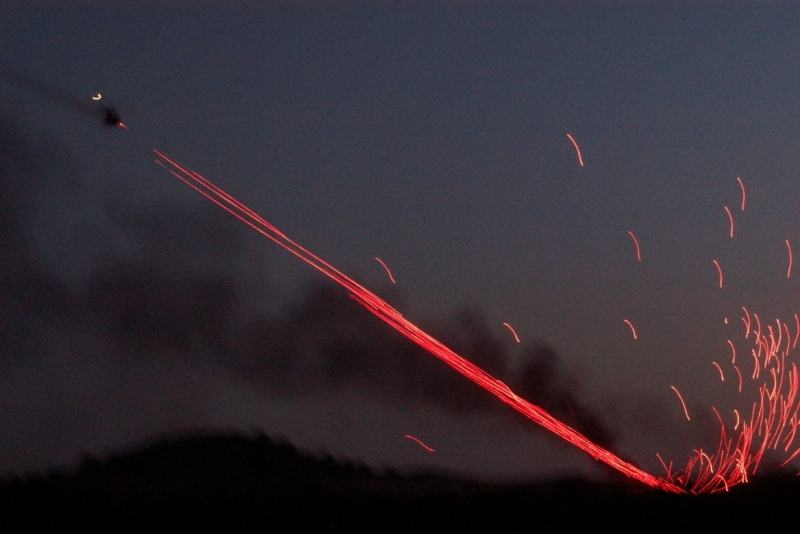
(393, 318)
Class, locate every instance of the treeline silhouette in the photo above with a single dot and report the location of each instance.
(237, 475)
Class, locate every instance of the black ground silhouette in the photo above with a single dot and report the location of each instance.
(233, 481)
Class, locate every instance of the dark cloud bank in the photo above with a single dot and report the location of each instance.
(91, 363)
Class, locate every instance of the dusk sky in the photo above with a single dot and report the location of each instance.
(432, 135)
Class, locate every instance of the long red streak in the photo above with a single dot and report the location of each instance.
(419, 442)
(636, 244)
(386, 268)
(577, 148)
(730, 219)
(789, 251)
(513, 332)
(719, 272)
(395, 319)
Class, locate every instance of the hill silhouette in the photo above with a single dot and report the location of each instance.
(241, 478)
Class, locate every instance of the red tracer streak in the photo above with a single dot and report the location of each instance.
(577, 148)
(395, 319)
(386, 268)
(730, 220)
(633, 328)
(680, 398)
(636, 244)
(513, 332)
(719, 272)
(789, 252)
(744, 193)
(420, 443)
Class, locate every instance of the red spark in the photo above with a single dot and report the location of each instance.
(744, 193)
(733, 351)
(386, 268)
(420, 443)
(636, 244)
(730, 219)
(797, 330)
(738, 419)
(789, 253)
(719, 272)
(680, 398)
(122, 125)
(721, 374)
(393, 318)
(739, 373)
(633, 328)
(577, 148)
(513, 332)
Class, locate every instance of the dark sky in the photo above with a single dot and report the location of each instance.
(431, 134)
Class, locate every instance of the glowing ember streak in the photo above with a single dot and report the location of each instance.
(680, 398)
(744, 193)
(122, 125)
(386, 268)
(721, 374)
(577, 148)
(730, 219)
(797, 330)
(395, 319)
(97, 97)
(789, 252)
(513, 332)
(738, 419)
(739, 373)
(719, 272)
(633, 329)
(420, 443)
(636, 244)
(733, 351)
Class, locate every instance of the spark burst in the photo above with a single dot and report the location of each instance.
(774, 415)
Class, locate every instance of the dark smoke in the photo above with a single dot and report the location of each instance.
(177, 299)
